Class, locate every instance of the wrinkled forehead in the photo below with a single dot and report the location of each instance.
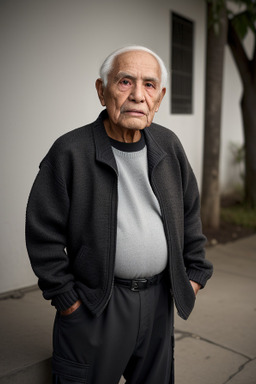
(136, 63)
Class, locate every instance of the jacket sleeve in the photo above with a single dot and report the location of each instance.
(198, 268)
(46, 223)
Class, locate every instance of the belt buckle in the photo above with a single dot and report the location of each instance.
(135, 285)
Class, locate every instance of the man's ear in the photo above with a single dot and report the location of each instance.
(100, 89)
(162, 93)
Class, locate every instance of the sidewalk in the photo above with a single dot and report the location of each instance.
(216, 345)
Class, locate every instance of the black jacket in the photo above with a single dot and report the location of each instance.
(72, 217)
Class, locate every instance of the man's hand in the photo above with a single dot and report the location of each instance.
(71, 309)
(195, 286)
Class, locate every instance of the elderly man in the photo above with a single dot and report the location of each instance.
(114, 234)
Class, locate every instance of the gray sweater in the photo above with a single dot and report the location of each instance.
(141, 248)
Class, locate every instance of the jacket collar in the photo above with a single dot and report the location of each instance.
(104, 151)
(155, 151)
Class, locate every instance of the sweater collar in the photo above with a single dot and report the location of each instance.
(104, 151)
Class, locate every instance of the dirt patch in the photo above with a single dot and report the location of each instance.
(226, 233)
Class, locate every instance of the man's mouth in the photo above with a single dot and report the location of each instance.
(134, 112)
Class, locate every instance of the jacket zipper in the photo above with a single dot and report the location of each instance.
(113, 242)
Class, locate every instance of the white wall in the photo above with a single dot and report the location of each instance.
(231, 121)
(50, 55)
(231, 125)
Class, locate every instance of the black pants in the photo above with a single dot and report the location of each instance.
(133, 337)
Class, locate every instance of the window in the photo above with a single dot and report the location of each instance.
(181, 65)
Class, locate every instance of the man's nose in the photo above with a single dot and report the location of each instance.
(137, 93)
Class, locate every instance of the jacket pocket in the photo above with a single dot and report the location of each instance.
(67, 371)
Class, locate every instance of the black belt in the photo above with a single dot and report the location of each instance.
(140, 284)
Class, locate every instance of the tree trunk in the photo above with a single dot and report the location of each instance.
(210, 207)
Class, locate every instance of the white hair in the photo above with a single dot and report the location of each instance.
(107, 65)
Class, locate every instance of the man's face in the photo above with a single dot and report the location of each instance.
(133, 93)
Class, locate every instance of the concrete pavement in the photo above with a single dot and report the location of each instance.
(216, 345)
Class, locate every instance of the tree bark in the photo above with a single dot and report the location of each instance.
(210, 206)
(247, 71)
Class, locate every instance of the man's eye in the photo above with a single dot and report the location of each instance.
(125, 82)
(149, 85)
